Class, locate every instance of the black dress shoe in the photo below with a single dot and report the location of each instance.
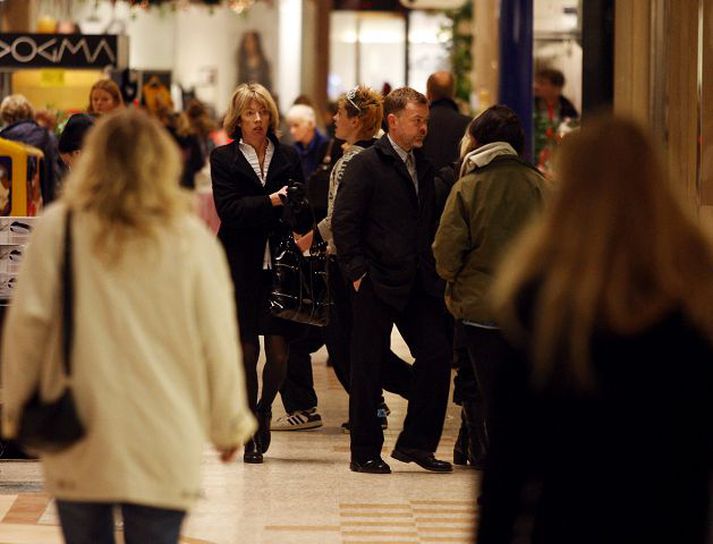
(263, 420)
(252, 453)
(371, 466)
(423, 459)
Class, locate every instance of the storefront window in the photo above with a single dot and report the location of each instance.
(366, 48)
(557, 55)
(370, 48)
(429, 34)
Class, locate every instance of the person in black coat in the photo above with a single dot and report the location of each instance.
(602, 421)
(446, 125)
(383, 225)
(250, 175)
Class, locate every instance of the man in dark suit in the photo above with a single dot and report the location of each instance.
(383, 225)
(446, 125)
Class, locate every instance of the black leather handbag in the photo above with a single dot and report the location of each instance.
(47, 427)
(300, 284)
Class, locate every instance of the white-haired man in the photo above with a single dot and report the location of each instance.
(309, 142)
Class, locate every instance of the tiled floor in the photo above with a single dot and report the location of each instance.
(304, 493)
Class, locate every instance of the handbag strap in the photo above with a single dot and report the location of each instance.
(327, 159)
(67, 297)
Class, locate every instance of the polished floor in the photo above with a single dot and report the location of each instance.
(304, 493)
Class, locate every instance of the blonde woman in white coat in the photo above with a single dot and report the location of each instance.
(155, 359)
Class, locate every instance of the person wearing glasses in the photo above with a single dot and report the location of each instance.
(250, 175)
(383, 223)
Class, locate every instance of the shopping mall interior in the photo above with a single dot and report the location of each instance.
(648, 59)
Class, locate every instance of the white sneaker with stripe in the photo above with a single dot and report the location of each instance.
(297, 421)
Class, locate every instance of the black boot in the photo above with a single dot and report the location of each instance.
(462, 444)
(263, 431)
(252, 453)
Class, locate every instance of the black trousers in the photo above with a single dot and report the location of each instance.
(491, 357)
(297, 390)
(397, 374)
(422, 325)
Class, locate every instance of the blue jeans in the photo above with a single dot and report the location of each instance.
(93, 523)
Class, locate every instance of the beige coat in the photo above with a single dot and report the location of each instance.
(156, 361)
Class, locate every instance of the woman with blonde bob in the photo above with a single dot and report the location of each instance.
(155, 354)
(606, 434)
(250, 175)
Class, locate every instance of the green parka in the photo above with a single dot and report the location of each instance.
(487, 207)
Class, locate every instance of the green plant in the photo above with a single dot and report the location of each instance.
(459, 48)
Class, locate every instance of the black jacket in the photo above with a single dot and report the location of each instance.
(382, 228)
(630, 461)
(446, 127)
(247, 218)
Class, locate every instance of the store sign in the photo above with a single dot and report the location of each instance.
(61, 50)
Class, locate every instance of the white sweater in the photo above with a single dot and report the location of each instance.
(156, 365)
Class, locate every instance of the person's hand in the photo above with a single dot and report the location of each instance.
(357, 283)
(304, 242)
(275, 199)
(227, 455)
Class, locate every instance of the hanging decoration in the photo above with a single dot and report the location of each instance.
(238, 6)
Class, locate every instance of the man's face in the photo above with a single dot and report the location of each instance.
(302, 131)
(409, 127)
(544, 89)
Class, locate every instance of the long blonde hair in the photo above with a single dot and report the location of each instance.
(615, 251)
(127, 177)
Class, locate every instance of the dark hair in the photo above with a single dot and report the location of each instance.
(76, 128)
(397, 100)
(554, 76)
(498, 124)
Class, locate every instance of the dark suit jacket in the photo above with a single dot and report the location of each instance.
(446, 127)
(382, 228)
(247, 218)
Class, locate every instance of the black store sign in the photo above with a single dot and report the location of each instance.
(58, 51)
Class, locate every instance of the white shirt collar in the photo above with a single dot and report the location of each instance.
(400, 150)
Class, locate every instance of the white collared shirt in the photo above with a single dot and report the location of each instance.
(250, 154)
(404, 157)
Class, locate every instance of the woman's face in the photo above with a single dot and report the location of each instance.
(345, 127)
(102, 101)
(254, 122)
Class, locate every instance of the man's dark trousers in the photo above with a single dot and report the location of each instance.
(422, 325)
